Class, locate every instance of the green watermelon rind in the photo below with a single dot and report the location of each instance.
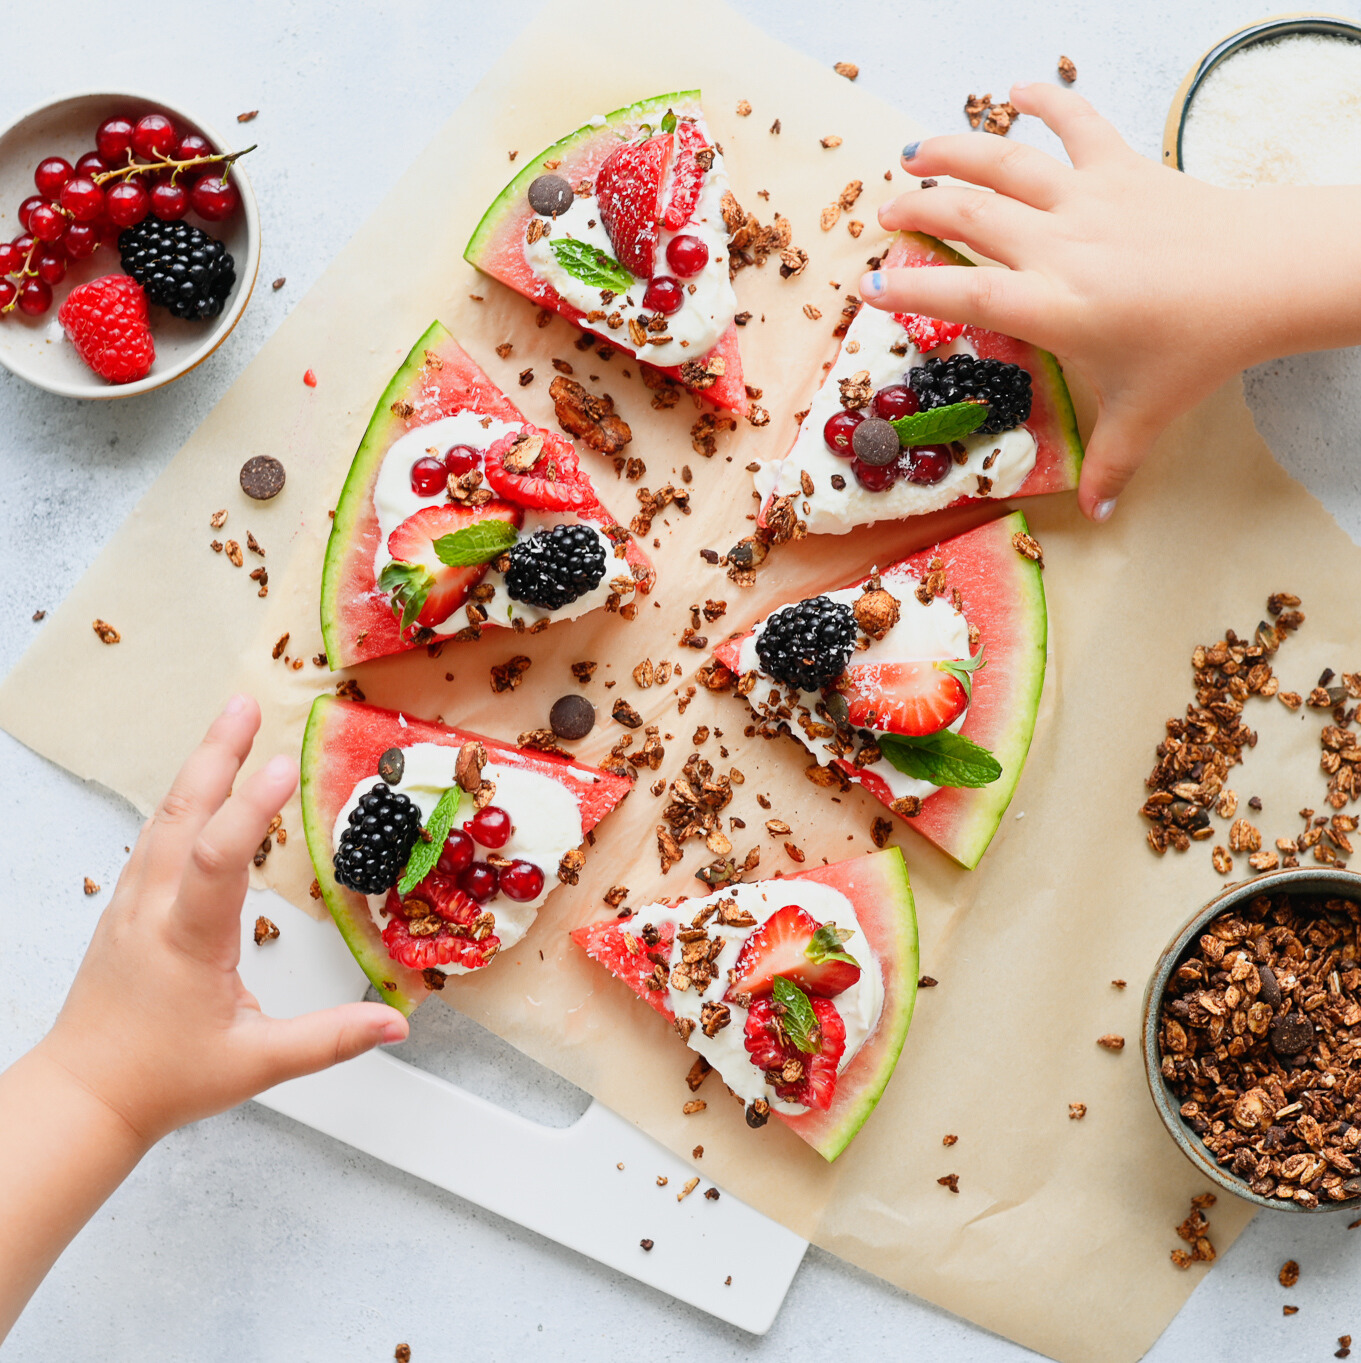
(513, 195)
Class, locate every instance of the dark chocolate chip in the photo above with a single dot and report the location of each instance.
(1291, 1034)
(875, 442)
(550, 195)
(262, 477)
(391, 766)
(1270, 992)
(758, 1114)
(572, 716)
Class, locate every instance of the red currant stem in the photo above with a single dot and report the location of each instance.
(225, 159)
(23, 273)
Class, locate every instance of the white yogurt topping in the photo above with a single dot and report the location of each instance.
(832, 512)
(545, 822)
(923, 634)
(710, 303)
(859, 1006)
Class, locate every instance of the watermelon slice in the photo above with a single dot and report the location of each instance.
(499, 246)
(438, 380)
(341, 748)
(833, 510)
(1002, 597)
(881, 898)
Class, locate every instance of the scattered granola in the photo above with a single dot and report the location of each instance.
(1289, 1274)
(1111, 1042)
(694, 1105)
(1000, 118)
(508, 675)
(1076, 1111)
(848, 69)
(1067, 71)
(90, 886)
(590, 418)
(950, 1181)
(106, 632)
(265, 931)
(1194, 1230)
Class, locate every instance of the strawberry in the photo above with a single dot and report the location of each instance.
(799, 1043)
(106, 320)
(628, 193)
(928, 333)
(542, 477)
(905, 698)
(423, 590)
(687, 177)
(792, 944)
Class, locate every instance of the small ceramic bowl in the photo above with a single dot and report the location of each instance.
(35, 348)
(1281, 26)
(1302, 881)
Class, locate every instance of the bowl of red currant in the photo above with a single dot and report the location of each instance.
(129, 244)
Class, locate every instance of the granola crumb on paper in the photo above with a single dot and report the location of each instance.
(402, 1353)
(693, 1106)
(90, 886)
(349, 689)
(39, 615)
(218, 519)
(1290, 1310)
(1076, 1111)
(1067, 71)
(106, 632)
(926, 982)
(1000, 119)
(950, 1181)
(689, 1187)
(265, 930)
(848, 69)
(1111, 1042)
(1119, 984)
(1289, 1274)
(711, 1194)
(743, 109)
(697, 1152)
(975, 107)
(645, 1244)
(949, 1140)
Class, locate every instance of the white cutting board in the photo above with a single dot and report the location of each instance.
(564, 1183)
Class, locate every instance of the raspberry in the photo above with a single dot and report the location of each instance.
(106, 320)
(813, 1079)
(451, 942)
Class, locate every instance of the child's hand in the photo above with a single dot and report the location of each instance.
(1156, 287)
(158, 1025)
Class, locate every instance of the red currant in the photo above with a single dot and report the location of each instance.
(214, 198)
(429, 477)
(114, 140)
(928, 464)
(48, 223)
(109, 231)
(22, 244)
(153, 137)
(52, 267)
(35, 297)
(687, 255)
(10, 259)
(82, 199)
(91, 164)
(522, 881)
(126, 204)
(169, 202)
(664, 295)
(895, 401)
(461, 459)
(875, 477)
(8, 292)
(80, 240)
(51, 174)
(192, 145)
(479, 881)
(838, 431)
(26, 209)
(490, 826)
(457, 855)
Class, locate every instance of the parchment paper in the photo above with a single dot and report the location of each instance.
(1060, 1233)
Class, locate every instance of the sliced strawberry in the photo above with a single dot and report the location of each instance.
(687, 177)
(903, 698)
(928, 333)
(795, 945)
(628, 193)
(543, 476)
(425, 592)
(813, 1074)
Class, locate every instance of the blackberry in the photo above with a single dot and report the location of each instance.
(807, 645)
(1004, 387)
(552, 568)
(374, 849)
(182, 268)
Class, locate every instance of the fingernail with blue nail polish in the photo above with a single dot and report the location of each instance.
(1102, 510)
(873, 284)
(910, 150)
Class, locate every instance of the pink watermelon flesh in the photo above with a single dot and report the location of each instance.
(878, 888)
(497, 246)
(341, 748)
(1004, 596)
(438, 379)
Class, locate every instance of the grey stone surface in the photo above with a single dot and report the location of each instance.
(249, 1237)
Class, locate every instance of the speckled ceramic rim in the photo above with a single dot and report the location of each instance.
(1301, 881)
(249, 267)
(1279, 26)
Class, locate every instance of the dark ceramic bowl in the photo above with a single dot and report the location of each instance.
(1341, 884)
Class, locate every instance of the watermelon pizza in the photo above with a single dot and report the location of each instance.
(798, 991)
(433, 847)
(920, 683)
(917, 414)
(620, 227)
(459, 515)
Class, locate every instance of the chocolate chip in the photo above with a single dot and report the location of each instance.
(262, 477)
(758, 1114)
(875, 442)
(550, 195)
(1270, 993)
(1291, 1034)
(572, 716)
(391, 766)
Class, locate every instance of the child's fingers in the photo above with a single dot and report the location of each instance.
(1000, 300)
(1012, 168)
(990, 223)
(315, 1041)
(1119, 445)
(1086, 136)
(204, 917)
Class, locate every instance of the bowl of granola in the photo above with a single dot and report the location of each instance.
(1252, 1039)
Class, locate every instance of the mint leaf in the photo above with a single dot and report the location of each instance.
(669, 121)
(478, 543)
(944, 758)
(826, 945)
(408, 584)
(941, 424)
(425, 854)
(591, 265)
(962, 670)
(798, 1021)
